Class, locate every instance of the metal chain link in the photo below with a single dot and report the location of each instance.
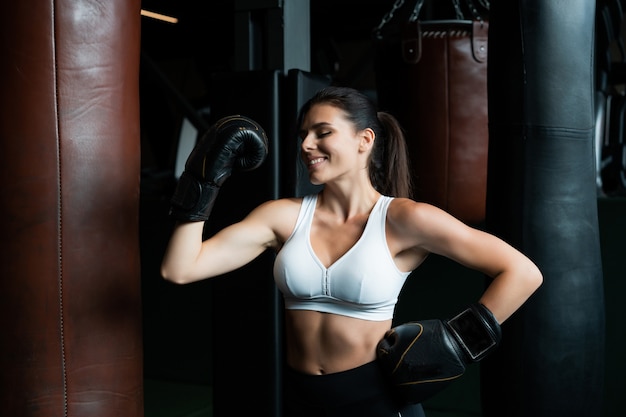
(474, 10)
(388, 16)
(418, 6)
(457, 9)
(416, 11)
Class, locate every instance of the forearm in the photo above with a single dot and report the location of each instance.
(509, 290)
(182, 252)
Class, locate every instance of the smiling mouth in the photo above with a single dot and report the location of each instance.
(315, 161)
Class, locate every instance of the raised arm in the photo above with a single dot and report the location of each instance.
(234, 142)
(188, 258)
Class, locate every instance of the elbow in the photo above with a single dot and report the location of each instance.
(534, 278)
(539, 278)
(172, 276)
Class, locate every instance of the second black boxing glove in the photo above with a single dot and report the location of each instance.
(423, 357)
(232, 143)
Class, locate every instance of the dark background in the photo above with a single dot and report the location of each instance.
(189, 69)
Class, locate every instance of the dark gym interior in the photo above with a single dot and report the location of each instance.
(179, 334)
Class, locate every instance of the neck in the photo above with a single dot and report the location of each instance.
(349, 202)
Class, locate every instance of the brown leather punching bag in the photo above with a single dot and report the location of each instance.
(432, 75)
(70, 308)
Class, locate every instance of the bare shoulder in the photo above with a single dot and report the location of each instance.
(280, 214)
(430, 228)
(422, 224)
(284, 206)
(412, 215)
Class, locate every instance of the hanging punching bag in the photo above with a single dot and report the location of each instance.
(69, 178)
(541, 197)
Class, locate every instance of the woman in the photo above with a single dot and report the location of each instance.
(344, 254)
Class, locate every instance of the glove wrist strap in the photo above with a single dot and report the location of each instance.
(476, 330)
(193, 200)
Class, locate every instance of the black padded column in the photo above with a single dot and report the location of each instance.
(247, 307)
(542, 199)
(246, 310)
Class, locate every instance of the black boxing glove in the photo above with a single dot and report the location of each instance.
(232, 143)
(423, 357)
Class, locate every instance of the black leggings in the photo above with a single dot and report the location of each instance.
(359, 392)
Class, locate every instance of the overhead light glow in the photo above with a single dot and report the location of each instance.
(159, 16)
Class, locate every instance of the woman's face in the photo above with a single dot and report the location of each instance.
(331, 148)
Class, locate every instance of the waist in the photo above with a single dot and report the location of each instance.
(361, 391)
(363, 380)
(361, 374)
(321, 343)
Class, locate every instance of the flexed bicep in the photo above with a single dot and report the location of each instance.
(234, 247)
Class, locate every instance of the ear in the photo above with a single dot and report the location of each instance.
(367, 137)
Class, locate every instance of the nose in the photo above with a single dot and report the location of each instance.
(308, 142)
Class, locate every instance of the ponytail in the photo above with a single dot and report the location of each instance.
(393, 175)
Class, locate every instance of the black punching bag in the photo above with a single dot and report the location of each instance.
(541, 197)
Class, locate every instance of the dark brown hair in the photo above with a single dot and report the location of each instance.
(389, 168)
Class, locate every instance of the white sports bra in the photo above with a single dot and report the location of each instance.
(364, 283)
